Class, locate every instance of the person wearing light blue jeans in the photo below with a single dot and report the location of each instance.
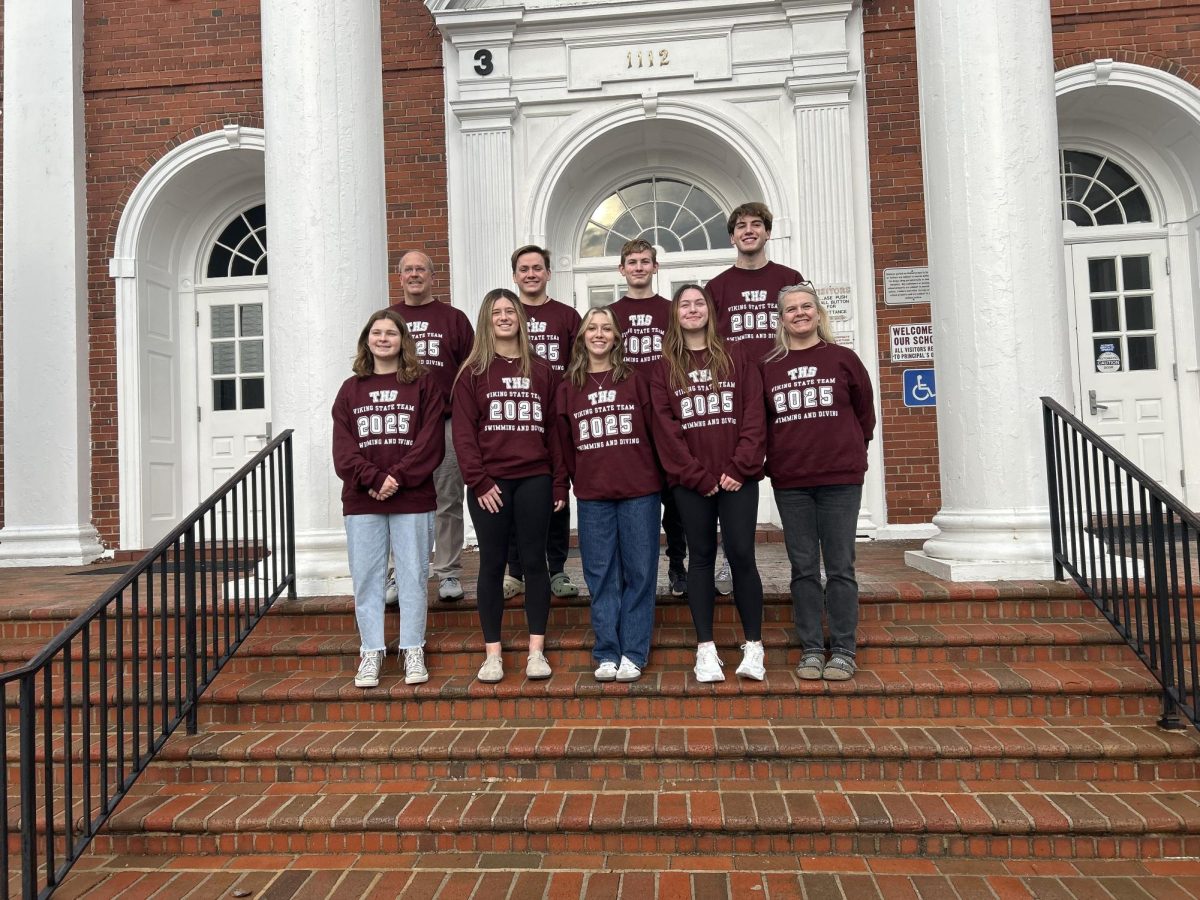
(388, 438)
(604, 431)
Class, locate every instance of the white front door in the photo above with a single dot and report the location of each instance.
(1126, 354)
(603, 288)
(233, 394)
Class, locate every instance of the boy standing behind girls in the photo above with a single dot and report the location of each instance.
(642, 317)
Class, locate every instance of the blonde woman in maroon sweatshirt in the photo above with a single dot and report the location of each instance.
(388, 439)
(709, 431)
(820, 418)
(503, 425)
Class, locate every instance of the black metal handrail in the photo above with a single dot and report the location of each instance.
(1133, 548)
(100, 700)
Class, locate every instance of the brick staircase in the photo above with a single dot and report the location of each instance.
(998, 741)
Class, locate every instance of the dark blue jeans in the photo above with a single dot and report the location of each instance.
(822, 522)
(618, 543)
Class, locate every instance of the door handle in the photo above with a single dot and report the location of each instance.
(1093, 406)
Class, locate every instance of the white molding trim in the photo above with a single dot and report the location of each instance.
(123, 269)
(1111, 73)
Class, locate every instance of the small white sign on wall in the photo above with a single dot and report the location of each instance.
(836, 300)
(903, 287)
(912, 342)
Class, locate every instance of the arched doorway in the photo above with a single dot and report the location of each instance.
(1130, 140)
(166, 239)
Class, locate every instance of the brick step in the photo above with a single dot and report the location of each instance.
(964, 690)
(473, 876)
(460, 651)
(1127, 752)
(943, 821)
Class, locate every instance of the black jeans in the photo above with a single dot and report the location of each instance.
(676, 538)
(821, 522)
(558, 539)
(737, 511)
(523, 518)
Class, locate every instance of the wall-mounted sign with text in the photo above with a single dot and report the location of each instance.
(912, 342)
(836, 300)
(903, 287)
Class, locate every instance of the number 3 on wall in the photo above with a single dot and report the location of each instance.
(483, 63)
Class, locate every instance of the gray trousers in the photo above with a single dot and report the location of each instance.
(448, 527)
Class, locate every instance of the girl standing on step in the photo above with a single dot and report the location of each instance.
(388, 437)
(604, 428)
(820, 418)
(502, 419)
(709, 431)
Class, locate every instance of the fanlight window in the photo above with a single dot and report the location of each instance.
(674, 215)
(241, 249)
(1097, 191)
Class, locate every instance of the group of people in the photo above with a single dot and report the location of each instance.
(646, 405)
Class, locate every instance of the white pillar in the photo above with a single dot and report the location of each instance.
(990, 142)
(323, 110)
(47, 457)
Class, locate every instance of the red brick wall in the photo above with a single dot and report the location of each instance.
(157, 75)
(1156, 33)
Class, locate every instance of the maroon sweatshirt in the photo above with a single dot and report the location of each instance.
(502, 426)
(643, 324)
(704, 430)
(382, 427)
(748, 306)
(552, 330)
(820, 417)
(604, 429)
(443, 335)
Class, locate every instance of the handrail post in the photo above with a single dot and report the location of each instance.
(1052, 491)
(1162, 600)
(28, 790)
(189, 594)
(289, 490)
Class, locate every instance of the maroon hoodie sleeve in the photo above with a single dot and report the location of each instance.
(429, 445)
(673, 452)
(465, 429)
(558, 465)
(564, 430)
(751, 447)
(351, 466)
(862, 397)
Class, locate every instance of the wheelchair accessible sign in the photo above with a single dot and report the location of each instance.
(919, 388)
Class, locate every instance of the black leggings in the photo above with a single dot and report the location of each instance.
(737, 512)
(528, 503)
(558, 539)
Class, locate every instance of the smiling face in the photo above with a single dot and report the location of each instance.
(800, 316)
(383, 340)
(692, 310)
(531, 275)
(639, 269)
(750, 234)
(506, 322)
(599, 336)
(416, 278)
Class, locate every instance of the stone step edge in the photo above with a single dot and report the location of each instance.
(776, 812)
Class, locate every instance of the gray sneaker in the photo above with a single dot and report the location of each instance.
(368, 669)
(723, 580)
(391, 596)
(414, 666)
(450, 590)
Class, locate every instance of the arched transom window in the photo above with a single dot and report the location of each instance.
(1097, 191)
(675, 215)
(241, 249)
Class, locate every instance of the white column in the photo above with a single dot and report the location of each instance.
(323, 110)
(47, 458)
(990, 141)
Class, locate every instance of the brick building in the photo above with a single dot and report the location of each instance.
(139, 179)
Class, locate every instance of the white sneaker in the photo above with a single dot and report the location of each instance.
(450, 590)
(536, 667)
(723, 581)
(752, 661)
(414, 666)
(368, 669)
(391, 596)
(606, 671)
(708, 664)
(629, 670)
(492, 669)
